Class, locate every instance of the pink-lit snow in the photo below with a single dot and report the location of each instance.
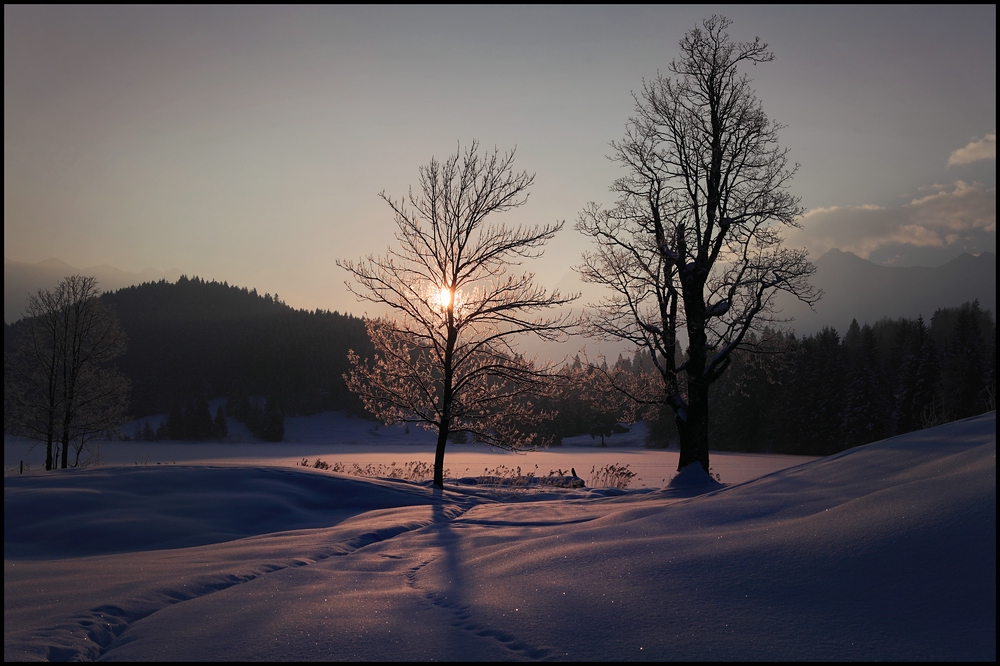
(883, 552)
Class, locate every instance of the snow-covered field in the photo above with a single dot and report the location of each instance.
(231, 552)
(334, 437)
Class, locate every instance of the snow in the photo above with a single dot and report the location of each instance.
(691, 481)
(335, 437)
(882, 552)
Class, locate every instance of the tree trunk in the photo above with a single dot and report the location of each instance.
(694, 435)
(446, 398)
(439, 457)
(693, 430)
(65, 444)
(51, 463)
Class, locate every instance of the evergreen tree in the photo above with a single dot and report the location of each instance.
(919, 380)
(742, 400)
(176, 426)
(272, 425)
(928, 404)
(867, 411)
(199, 420)
(990, 390)
(219, 427)
(826, 389)
(852, 339)
(964, 375)
(784, 427)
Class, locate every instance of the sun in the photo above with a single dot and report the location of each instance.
(445, 298)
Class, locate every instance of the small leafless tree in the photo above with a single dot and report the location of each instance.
(31, 394)
(58, 388)
(447, 359)
(693, 243)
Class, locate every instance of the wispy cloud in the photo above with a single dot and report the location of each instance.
(981, 149)
(957, 217)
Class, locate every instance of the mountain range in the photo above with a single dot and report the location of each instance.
(855, 288)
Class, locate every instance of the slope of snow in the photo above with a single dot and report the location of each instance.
(883, 552)
(126, 509)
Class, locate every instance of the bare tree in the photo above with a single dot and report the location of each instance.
(31, 385)
(693, 245)
(447, 360)
(57, 386)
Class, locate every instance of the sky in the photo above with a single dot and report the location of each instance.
(884, 552)
(250, 144)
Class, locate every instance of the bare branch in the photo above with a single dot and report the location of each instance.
(57, 388)
(693, 244)
(447, 360)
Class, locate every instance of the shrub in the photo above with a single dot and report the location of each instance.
(611, 476)
(412, 471)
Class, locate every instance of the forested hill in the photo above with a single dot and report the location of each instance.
(194, 339)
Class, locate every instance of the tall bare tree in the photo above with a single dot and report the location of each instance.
(447, 359)
(693, 245)
(57, 385)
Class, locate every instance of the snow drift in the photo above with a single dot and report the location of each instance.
(883, 552)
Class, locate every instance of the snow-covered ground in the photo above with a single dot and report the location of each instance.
(883, 552)
(337, 438)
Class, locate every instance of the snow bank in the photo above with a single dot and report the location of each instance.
(884, 552)
(691, 481)
(96, 511)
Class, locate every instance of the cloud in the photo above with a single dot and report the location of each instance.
(983, 149)
(959, 217)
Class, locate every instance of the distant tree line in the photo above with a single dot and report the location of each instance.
(264, 418)
(824, 393)
(899, 375)
(191, 421)
(194, 340)
(818, 394)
